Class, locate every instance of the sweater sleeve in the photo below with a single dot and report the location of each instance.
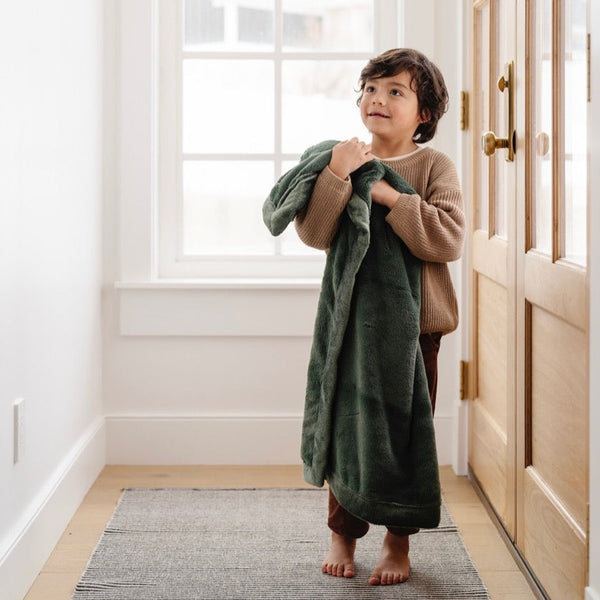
(317, 224)
(432, 227)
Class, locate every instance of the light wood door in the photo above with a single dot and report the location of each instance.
(529, 415)
(492, 443)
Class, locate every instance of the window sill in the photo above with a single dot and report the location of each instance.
(223, 283)
(218, 307)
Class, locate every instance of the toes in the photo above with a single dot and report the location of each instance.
(345, 570)
(338, 570)
(387, 578)
(348, 571)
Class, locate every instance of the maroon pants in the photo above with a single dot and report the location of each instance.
(345, 523)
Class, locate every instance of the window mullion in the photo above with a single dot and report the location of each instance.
(277, 142)
(179, 216)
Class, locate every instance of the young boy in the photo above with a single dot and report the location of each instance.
(402, 97)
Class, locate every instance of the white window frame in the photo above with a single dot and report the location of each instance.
(150, 304)
(171, 263)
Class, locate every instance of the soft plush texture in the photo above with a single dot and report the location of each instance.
(368, 428)
(431, 223)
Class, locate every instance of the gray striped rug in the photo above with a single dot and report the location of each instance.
(250, 544)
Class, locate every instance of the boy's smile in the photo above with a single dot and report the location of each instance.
(377, 115)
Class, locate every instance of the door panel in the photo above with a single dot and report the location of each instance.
(559, 288)
(558, 450)
(560, 566)
(489, 440)
(529, 342)
(552, 484)
(492, 431)
(492, 345)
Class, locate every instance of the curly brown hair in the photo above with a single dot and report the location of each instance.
(427, 82)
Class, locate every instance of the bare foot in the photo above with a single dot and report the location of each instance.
(339, 561)
(394, 565)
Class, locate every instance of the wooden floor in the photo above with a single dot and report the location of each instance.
(64, 567)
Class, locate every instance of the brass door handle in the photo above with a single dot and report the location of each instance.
(489, 141)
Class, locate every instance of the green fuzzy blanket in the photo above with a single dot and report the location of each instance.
(368, 428)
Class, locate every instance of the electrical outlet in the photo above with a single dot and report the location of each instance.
(18, 429)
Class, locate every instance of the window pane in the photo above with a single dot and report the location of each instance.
(255, 25)
(228, 106)
(204, 23)
(222, 207)
(575, 131)
(330, 25)
(319, 102)
(482, 112)
(504, 53)
(542, 128)
(232, 25)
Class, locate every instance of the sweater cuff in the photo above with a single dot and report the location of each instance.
(336, 184)
(333, 192)
(404, 204)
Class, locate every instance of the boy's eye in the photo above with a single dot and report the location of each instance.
(370, 89)
(395, 92)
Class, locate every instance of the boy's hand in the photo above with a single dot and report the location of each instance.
(383, 193)
(348, 156)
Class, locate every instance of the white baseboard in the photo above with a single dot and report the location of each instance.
(460, 441)
(444, 439)
(220, 439)
(204, 440)
(42, 525)
(592, 594)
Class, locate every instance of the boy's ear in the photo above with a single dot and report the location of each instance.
(425, 116)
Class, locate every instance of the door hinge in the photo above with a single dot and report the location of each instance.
(464, 380)
(589, 67)
(587, 539)
(587, 518)
(464, 111)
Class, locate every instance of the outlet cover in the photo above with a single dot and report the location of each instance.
(18, 429)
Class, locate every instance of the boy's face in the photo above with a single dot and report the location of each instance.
(389, 107)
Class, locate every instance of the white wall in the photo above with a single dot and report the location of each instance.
(593, 591)
(50, 273)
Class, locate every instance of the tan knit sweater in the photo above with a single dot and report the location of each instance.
(431, 223)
